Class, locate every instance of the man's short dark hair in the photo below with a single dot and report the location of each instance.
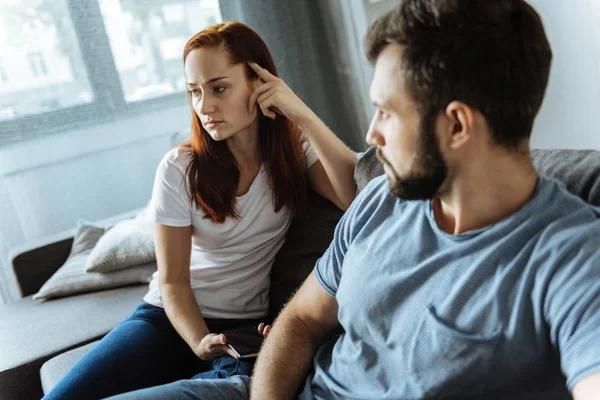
(492, 55)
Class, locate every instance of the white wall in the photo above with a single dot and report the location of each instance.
(570, 114)
(92, 173)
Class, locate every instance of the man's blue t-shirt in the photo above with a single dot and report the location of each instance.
(479, 314)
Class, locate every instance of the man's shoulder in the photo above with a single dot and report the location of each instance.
(374, 195)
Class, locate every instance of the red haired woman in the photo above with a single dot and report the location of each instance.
(222, 203)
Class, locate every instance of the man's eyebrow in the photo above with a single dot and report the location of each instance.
(377, 104)
(213, 80)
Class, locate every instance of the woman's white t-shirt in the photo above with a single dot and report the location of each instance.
(230, 262)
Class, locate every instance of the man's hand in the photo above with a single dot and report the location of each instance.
(264, 329)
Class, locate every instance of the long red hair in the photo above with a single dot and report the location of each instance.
(212, 174)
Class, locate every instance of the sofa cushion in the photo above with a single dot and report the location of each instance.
(72, 277)
(306, 240)
(367, 168)
(579, 169)
(35, 261)
(54, 369)
(127, 244)
(64, 322)
(33, 332)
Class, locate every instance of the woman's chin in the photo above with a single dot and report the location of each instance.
(218, 136)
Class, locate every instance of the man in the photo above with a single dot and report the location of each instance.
(476, 273)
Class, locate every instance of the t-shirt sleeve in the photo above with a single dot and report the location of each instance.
(311, 154)
(572, 310)
(171, 204)
(328, 269)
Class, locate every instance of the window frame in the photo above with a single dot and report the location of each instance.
(109, 102)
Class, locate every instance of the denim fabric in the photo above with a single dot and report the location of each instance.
(143, 351)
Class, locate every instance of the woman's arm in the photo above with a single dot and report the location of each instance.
(333, 175)
(173, 253)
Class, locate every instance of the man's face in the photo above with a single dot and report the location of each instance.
(407, 144)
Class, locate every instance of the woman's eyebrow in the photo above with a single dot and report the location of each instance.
(213, 80)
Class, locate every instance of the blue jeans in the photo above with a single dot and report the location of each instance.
(143, 351)
(234, 388)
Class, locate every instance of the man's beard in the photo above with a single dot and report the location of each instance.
(429, 170)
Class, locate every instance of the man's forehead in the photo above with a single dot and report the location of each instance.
(388, 82)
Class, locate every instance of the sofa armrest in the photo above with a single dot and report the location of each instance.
(34, 264)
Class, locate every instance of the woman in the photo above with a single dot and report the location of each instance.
(222, 203)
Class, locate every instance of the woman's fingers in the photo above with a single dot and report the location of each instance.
(261, 72)
(260, 90)
(217, 340)
(266, 104)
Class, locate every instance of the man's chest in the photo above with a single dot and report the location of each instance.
(448, 319)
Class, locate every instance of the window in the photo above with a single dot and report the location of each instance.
(37, 65)
(3, 77)
(147, 39)
(40, 52)
(86, 61)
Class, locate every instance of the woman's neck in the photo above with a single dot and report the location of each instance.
(244, 147)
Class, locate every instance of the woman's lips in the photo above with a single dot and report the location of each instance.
(213, 124)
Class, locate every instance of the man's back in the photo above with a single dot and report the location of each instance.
(482, 313)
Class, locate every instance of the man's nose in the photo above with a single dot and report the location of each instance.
(374, 137)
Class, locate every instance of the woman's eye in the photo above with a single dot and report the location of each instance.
(195, 92)
(219, 89)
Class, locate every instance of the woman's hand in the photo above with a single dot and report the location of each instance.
(264, 329)
(213, 346)
(274, 96)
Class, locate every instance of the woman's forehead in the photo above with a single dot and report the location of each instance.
(204, 64)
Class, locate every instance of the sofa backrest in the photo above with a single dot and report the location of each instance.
(306, 241)
(308, 238)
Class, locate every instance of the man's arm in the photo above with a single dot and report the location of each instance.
(301, 327)
(588, 388)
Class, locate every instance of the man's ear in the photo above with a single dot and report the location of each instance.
(460, 119)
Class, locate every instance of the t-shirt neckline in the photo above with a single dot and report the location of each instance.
(253, 184)
(524, 211)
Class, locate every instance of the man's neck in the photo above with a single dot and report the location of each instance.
(479, 197)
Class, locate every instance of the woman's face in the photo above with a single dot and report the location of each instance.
(220, 92)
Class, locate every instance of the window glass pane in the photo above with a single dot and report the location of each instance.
(41, 68)
(147, 39)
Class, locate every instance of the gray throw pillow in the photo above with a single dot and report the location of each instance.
(367, 168)
(72, 278)
(127, 244)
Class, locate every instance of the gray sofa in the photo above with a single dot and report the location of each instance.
(40, 341)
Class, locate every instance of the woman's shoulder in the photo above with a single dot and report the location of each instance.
(178, 157)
